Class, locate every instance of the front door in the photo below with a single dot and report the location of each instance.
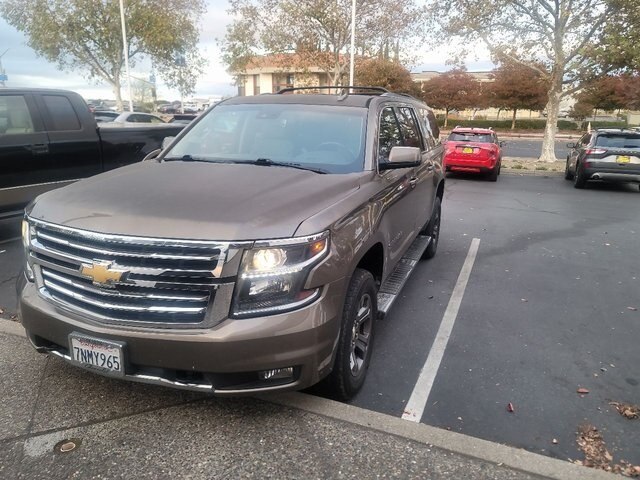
(396, 198)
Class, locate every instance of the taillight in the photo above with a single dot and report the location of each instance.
(595, 151)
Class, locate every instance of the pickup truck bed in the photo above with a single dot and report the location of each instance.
(49, 138)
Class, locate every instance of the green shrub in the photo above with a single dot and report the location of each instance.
(595, 125)
(541, 168)
(517, 167)
(533, 124)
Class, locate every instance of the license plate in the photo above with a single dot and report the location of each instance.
(623, 159)
(467, 150)
(97, 354)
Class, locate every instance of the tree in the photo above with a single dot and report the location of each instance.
(619, 45)
(385, 73)
(452, 90)
(606, 94)
(85, 35)
(317, 32)
(561, 34)
(517, 87)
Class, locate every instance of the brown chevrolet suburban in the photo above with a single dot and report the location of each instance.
(254, 254)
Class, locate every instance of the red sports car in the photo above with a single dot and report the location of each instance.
(473, 150)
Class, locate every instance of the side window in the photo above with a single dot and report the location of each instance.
(389, 134)
(155, 120)
(409, 128)
(61, 112)
(14, 115)
(429, 139)
(585, 140)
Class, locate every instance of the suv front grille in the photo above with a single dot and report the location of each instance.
(140, 280)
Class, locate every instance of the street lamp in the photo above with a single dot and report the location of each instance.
(126, 53)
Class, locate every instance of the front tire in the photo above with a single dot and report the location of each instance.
(433, 230)
(355, 343)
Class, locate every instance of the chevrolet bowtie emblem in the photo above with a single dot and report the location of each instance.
(102, 274)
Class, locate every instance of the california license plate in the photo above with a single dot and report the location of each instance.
(623, 159)
(96, 354)
(467, 150)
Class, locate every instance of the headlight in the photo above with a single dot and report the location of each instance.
(26, 241)
(273, 274)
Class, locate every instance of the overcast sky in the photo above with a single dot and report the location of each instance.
(25, 69)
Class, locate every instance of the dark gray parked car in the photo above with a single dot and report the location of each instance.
(610, 155)
(254, 254)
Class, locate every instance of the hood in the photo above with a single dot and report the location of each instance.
(204, 201)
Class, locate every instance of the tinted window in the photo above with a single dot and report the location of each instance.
(320, 137)
(471, 137)
(627, 141)
(409, 128)
(63, 116)
(139, 119)
(585, 139)
(429, 138)
(14, 115)
(389, 135)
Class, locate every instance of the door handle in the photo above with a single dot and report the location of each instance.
(413, 182)
(39, 149)
(430, 167)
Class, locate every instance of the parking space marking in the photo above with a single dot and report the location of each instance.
(421, 391)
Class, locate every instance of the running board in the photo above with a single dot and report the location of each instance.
(392, 286)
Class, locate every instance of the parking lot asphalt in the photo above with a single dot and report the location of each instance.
(548, 308)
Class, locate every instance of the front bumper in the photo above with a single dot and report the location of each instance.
(223, 360)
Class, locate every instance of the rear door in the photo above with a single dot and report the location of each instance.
(24, 152)
(73, 137)
(422, 181)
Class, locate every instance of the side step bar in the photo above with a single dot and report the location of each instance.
(392, 286)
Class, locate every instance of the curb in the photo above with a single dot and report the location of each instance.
(458, 443)
(484, 450)
(530, 173)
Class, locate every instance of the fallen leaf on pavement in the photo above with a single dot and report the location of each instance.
(596, 455)
(524, 300)
(510, 407)
(627, 410)
(1, 311)
(583, 391)
(633, 309)
(554, 441)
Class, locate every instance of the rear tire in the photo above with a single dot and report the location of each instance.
(433, 230)
(493, 175)
(567, 173)
(355, 343)
(579, 179)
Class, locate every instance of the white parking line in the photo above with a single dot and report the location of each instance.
(420, 395)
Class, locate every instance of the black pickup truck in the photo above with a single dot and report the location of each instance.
(49, 138)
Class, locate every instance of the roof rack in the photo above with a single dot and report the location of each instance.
(346, 88)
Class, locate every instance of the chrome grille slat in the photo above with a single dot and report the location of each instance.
(68, 257)
(116, 306)
(132, 280)
(89, 248)
(117, 294)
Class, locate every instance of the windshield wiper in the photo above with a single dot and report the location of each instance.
(267, 162)
(186, 158)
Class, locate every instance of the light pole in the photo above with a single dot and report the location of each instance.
(126, 53)
(353, 41)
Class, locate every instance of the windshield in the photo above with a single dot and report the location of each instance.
(319, 137)
(627, 141)
(471, 137)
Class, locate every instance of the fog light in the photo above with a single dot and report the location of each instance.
(276, 373)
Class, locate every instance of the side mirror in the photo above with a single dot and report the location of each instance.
(166, 141)
(402, 157)
(571, 145)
